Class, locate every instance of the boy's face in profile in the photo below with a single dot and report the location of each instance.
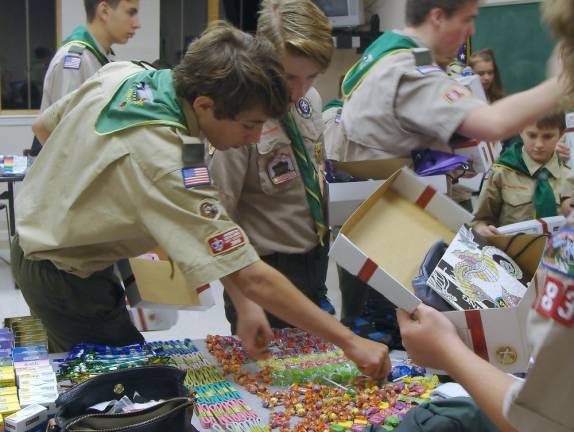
(540, 144)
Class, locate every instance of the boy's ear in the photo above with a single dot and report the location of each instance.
(102, 10)
(203, 103)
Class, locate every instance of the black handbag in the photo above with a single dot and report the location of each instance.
(422, 290)
(150, 382)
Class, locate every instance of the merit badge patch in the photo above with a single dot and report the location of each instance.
(195, 176)
(304, 108)
(453, 94)
(209, 209)
(72, 62)
(426, 69)
(281, 169)
(225, 241)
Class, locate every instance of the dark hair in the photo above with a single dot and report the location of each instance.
(553, 120)
(238, 71)
(496, 91)
(91, 5)
(417, 10)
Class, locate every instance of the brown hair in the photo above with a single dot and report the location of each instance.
(418, 10)
(496, 91)
(91, 5)
(238, 71)
(298, 27)
(559, 14)
(554, 120)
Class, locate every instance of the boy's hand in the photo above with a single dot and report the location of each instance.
(428, 336)
(486, 230)
(255, 333)
(372, 358)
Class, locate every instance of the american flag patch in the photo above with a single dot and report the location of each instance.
(196, 176)
(72, 62)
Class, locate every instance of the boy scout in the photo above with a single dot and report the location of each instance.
(138, 180)
(418, 105)
(87, 48)
(273, 189)
(529, 181)
(544, 400)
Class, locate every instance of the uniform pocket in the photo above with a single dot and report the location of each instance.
(277, 171)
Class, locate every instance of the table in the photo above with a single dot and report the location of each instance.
(11, 179)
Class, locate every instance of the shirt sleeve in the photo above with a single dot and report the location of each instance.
(432, 104)
(229, 169)
(53, 114)
(544, 401)
(65, 80)
(192, 227)
(567, 189)
(490, 200)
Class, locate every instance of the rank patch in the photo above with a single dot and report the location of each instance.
(304, 108)
(209, 209)
(72, 62)
(225, 241)
(195, 176)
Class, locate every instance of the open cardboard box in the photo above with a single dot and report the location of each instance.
(158, 284)
(385, 240)
(344, 198)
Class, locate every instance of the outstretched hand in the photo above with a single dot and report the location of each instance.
(371, 358)
(255, 333)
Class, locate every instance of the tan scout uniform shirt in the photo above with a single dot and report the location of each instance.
(400, 107)
(86, 206)
(273, 211)
(332, 136)
(60, 81)
(545, 401)
(507, 196)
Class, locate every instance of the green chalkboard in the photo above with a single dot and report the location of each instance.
(521, 42)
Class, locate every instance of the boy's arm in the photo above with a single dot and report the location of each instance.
(493, 122)
(273, 291)
(49, 119)
(431, 340)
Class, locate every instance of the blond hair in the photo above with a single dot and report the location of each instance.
(559, 14)
(238, 71)
(297, 27)
(496, 91)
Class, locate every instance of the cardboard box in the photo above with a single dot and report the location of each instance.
(30, 419)
(386, 239)
(482, 153)
(344, 198)
(548, 225)
(157, 284)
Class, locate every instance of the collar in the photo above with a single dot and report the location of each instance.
(553, 165)
(190, 118)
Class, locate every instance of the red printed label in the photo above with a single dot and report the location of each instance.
(225, 241)
(557, 302)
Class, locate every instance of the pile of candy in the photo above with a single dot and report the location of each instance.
(218, 404)
(314, 401)
(87, 360)
(315, 368)
(363, 406)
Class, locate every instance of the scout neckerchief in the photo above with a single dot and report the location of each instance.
(387, 43)
(82, 36)
(544, 200)
(308, 172)
(333, 103)
(144, 98)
